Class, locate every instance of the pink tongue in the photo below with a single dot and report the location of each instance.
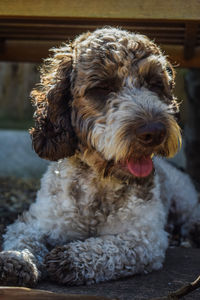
(141, 168)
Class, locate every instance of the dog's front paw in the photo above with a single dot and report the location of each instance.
(60, 267)
(17, 268)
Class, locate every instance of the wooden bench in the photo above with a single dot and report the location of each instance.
(28, 28)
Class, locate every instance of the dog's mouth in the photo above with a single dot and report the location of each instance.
(141, 168)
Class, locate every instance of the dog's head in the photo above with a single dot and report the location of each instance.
(108, 96)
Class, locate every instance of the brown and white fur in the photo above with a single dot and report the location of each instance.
(104, 107)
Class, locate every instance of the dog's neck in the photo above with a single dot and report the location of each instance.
(107, 175)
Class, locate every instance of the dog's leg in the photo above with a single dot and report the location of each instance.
(21, 261)
(109, 257)
(184, 205)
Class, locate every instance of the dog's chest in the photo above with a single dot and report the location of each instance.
(96, 206)
(88, 207)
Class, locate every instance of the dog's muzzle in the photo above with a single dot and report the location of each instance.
(150, 135)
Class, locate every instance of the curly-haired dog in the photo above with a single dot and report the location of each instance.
(103, 109)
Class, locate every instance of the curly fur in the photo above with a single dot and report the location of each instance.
(53, 136)
(94, 220)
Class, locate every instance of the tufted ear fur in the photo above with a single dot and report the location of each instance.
(53, 136)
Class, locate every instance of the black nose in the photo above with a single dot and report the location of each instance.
(151, 134)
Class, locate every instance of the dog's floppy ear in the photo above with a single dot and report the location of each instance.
(53, 136)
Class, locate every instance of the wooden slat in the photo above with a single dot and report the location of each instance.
(12, 32)
(151, 26)
(62, 27)
(67, 34)
(12, 28)
(128, 9)
(28, 30)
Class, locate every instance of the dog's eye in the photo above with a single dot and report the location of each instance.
(156, 86)
(169, 70)
(99, 94)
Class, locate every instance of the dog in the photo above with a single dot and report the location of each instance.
(105, 114)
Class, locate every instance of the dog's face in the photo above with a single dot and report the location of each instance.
(119, 90)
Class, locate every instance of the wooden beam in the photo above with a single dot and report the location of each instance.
(128, 9)
(26, 51)
(191, 32)
(36, 51)
(177, 57)
(33, 29)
